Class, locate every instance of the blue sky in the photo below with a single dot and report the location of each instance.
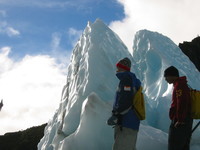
(36, 22)
(36, 41)
(37, 38)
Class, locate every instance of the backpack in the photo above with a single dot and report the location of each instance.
(195, 103)
(138, 104)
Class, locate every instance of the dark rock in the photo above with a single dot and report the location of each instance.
(22, 140)
(192, 50)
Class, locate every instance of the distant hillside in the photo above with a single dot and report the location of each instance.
(192, 50)
(22, 140)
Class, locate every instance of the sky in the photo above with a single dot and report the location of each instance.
(37, 38)
(36, 41)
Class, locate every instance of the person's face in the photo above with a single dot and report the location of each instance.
(120, 70)
(170, 79)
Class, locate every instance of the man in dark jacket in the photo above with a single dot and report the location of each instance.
(123, 116)
(181, 121)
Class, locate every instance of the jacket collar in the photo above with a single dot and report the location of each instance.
(121, 75)
(180, 80)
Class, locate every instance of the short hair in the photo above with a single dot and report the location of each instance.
(171, 71)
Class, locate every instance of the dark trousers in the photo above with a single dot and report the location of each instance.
(179, 138)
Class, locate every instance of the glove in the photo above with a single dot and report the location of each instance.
(115, 113)
(112, 121)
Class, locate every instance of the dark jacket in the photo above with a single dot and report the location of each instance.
(124, 99)
(181, 102)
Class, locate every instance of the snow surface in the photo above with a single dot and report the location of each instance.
(86, 102)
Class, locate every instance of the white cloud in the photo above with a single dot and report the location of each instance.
(74, 35)
(12, 32)
(30, 88)
(62, 55)
(179, 20)
(5, 28)
(56, 38)
(5, 62)
(8, 30)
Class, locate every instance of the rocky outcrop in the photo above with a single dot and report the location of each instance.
(192, 50)
(22, 140)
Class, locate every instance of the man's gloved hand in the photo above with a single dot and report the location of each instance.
(112, 121)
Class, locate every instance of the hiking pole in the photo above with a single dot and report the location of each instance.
(196, 126)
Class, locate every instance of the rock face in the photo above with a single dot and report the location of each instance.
(22, 140)
(192, 50)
